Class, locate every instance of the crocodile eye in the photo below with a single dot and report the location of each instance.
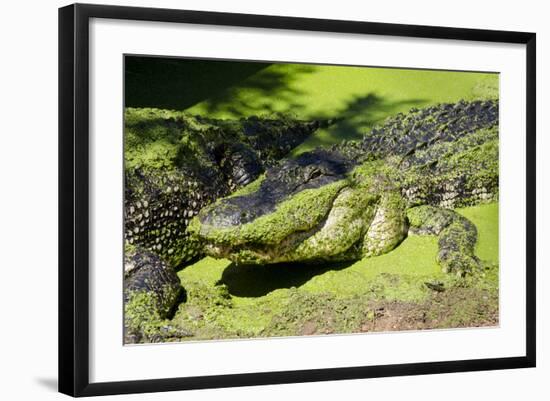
(314, 174)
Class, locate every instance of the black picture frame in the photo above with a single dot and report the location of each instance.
(74, 198)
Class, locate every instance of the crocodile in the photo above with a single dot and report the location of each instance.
(176, 163)
(361, 199)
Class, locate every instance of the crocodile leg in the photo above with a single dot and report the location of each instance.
(457, 237)
(151, 292)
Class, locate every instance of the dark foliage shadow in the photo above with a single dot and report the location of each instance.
(360, 114)
(259, 280)
(241, 89)
(233, 87)
(171, 83)
(262, 94)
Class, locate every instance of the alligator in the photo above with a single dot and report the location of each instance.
(361, 199)
(175, 164)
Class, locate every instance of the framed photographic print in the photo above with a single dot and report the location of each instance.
(249, 199)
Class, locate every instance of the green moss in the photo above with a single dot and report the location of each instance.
(471, 163)
(456, 254)
(429, 219)
(457, 237)
(304, 313)
(486, 219)
(250, 188)
(207, 304)
(371, 173)
(345, 225)
(168, 139)
(141, 315)
(412, 262)
(200, 293)
(300, 213)
(485, 154)
(388, 227)
(129, 249)
(155, 138)
(486, 88)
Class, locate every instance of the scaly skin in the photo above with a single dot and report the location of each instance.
(175, 164)
(151, 289)
(361, 199)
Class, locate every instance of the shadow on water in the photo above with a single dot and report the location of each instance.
(259, 280)
(171, 83)
(240, 89)
(359, 115)
(270, 92)
(234, 88)
(363, 112)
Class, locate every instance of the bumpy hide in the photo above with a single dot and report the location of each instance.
(350, 201)
(448, 154)
(151, 290)
(176, 164)
(457, 236)
(309, 170)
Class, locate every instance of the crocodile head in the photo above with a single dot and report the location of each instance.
(351, 201)
(318, 206)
